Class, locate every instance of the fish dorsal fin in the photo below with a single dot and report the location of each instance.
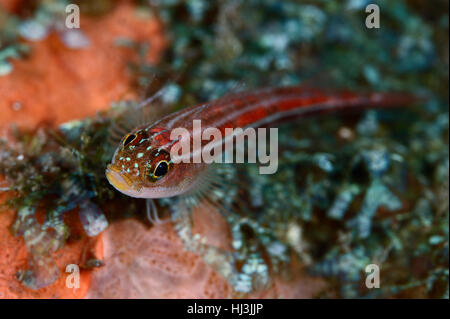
(131, 115)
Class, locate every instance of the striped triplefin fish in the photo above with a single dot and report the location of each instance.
(142, 165)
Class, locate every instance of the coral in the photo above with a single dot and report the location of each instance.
(154, 264)
(80, 80)
(14, 260)
(27, 103)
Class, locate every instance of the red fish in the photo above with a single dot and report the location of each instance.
(142, 165)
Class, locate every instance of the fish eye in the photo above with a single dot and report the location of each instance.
(161, 169)
(130, 138)
(162, 166)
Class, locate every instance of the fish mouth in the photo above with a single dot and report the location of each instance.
(120, 181)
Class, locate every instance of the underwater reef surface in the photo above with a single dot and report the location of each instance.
(351, 189)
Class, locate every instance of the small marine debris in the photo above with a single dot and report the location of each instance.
(48, 17)
(75, 39)
(33, 30)
(92, 218)
(41, 243)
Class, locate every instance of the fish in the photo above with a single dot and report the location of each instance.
(142, 165)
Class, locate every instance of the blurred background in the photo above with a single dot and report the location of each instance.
(351, 190)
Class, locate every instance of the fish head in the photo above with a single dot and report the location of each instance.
(142, 166)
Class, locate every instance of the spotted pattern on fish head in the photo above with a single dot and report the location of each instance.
(142, 165)
(137, 158)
